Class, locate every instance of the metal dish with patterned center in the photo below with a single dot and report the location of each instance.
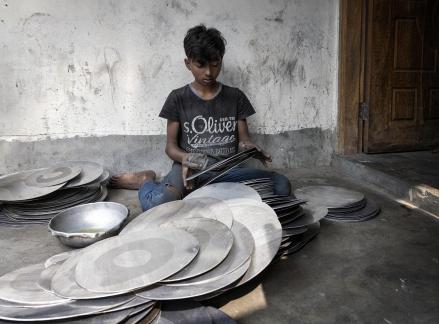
(215, 241)
(14, 188)
(53, 176)
(90, 172)
(63, 283)
(242, 248)
(126, 263)
(263, 224)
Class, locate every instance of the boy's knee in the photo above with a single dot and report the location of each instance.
(282, 185)
(159, 195)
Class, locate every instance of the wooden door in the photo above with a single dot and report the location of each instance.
(402, 76)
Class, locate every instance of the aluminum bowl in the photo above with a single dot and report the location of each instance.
(86, 224)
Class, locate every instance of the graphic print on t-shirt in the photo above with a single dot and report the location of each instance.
(208, 126)
(213, 136)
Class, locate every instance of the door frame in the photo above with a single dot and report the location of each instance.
(351, 75)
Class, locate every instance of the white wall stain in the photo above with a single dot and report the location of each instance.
(96, 68)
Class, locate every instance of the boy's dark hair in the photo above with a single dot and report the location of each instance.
(204, 44)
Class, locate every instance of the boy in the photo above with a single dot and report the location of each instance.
(206, 122)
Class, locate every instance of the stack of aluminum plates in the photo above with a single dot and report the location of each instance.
(300, 221)
(264, 187)
(344, 205)
(36, 196)
(22, 299)
(300, 214)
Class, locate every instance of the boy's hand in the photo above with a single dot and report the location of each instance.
(195, 161)
(261, 155)
(192, 161)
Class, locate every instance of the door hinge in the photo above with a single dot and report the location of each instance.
(364, 111)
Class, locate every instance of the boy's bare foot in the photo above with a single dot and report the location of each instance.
(132, 180)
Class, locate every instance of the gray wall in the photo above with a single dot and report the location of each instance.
(86, 79)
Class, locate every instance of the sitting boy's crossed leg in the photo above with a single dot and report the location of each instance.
(154, 193)
(171, 188)
(131, 180)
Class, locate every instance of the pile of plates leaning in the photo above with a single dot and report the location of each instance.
(36, 196)
(299, 218)
(219, 237)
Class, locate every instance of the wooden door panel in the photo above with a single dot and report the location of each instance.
(432, 97)
(403, 76)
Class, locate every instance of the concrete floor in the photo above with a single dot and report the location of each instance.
(411, 177)
(385, 270)
(416, 167)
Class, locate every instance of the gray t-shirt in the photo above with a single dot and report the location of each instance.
(208, 126)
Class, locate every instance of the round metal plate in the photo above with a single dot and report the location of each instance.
(140, 315)
(153, 217)
(13, 187)
(329, 196)
(20, 286)
(181, 209)
(5, 303)
(62, 311)
(101, 318)
(90, 171)
(43, 209)
(150, 317)
(53, 176)
(137, 301)
(168, 292)
(59, 258)
(313, 230)
(242, 248)
(125, 263)
(293, 231)
(45, 280)
(312, 214)
(63, 282)
(351, 208)
(369, 211)
(264, 225)
(101, 181)
(208, 208)
(224, 191)
(215, 241)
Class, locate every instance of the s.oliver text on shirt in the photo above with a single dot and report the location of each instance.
(203, 132)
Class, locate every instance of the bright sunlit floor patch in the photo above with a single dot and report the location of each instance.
(246, 305)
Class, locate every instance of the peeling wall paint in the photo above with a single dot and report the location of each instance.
(97, 68)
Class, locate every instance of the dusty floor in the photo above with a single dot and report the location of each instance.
(382, 271)
(415, 167)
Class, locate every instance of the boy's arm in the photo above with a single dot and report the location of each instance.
(172, 148)
(246, 143)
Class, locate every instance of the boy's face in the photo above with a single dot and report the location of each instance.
(205, 74)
